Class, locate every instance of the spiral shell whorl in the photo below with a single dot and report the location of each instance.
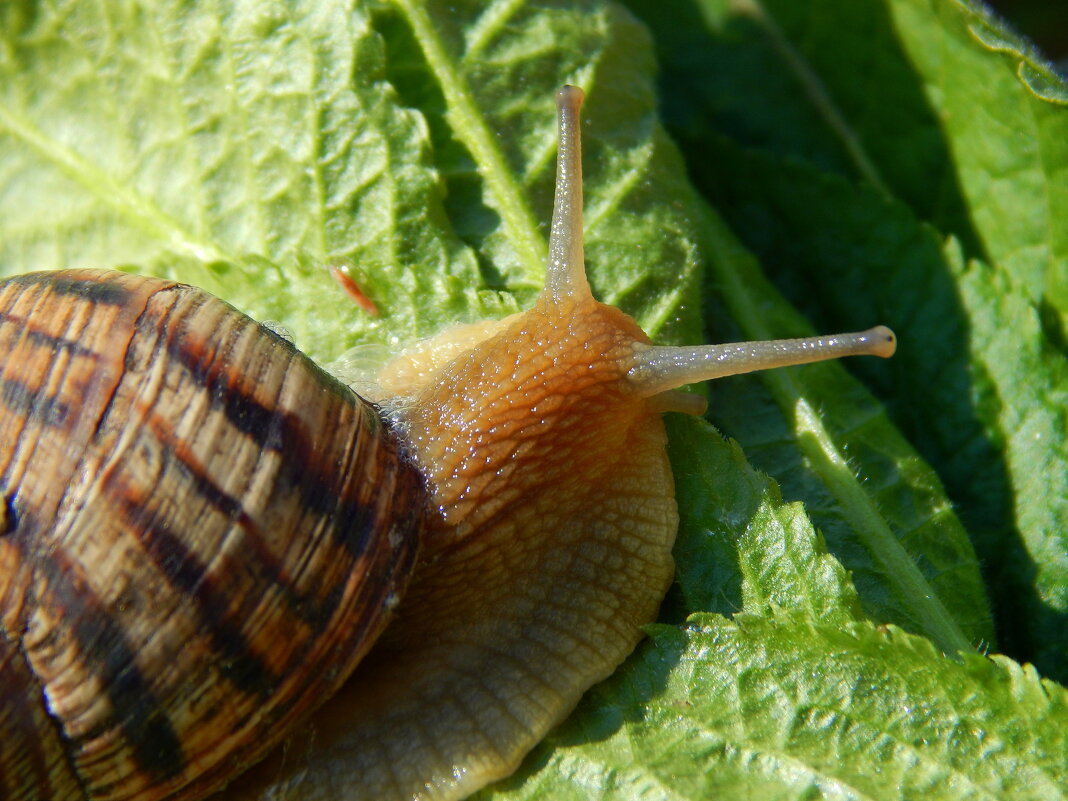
(208, 531)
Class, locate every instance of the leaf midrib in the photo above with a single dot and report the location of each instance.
(472, 129)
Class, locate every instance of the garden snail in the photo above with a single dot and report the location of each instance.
(202, 534)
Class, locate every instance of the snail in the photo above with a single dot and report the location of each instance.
(204, 536)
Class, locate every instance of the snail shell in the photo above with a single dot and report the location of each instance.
(202, 534)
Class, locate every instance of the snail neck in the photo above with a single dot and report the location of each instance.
(539, 410)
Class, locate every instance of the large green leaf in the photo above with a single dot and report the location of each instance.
(242, 146)
(897, 161)
(736, 709)
(888, 145)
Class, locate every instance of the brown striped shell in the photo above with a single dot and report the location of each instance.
(202, 534)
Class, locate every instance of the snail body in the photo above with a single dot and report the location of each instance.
(524, 522)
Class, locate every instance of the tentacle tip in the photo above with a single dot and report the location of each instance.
(569, 97)
(884, 341)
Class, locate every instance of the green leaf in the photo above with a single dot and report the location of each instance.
(866, 485)
(780, 707)
(832, 133)
(1022, 384)
(739, 546)
(881, 510)
(231, 146)
(908, 96)
(248, 145)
